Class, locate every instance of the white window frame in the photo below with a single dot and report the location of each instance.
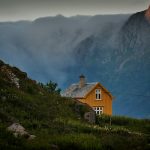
(98, 94)
(99, 110)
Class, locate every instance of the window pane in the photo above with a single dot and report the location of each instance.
(98, 112)
(98, 94)
(97, 91)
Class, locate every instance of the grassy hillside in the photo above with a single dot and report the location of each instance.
(55, 121)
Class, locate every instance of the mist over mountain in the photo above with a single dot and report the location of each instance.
(45, 47)
(121, 59)
(111, 49)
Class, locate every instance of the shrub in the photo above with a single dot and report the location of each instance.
(51, 87)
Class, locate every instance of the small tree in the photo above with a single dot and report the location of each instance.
(51, 87)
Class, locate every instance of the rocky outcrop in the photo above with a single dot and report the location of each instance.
(10, 75)
(19, 130)
(147, 14)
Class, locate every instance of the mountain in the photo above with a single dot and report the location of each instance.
(147, 14)
(49, 43)
(122, 65)
(28, 110)
(111, 49)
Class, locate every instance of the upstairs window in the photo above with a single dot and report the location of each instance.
(98, 110)
(98, 94)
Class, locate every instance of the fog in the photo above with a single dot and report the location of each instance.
(45, 47)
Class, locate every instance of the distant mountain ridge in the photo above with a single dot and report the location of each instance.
(111, 49)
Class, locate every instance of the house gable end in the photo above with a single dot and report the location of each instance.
(98, 85)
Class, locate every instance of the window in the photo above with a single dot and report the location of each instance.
(98, 94)
(98, 110)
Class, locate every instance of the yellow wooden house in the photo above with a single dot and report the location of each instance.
(94, 94)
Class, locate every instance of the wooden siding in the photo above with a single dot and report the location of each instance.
(105, 102)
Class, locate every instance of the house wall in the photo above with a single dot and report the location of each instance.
(106, 100)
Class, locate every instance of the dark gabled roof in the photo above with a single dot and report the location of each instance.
(75, 91)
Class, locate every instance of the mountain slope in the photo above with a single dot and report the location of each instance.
(43, 114)
(50, 42)
(122, 64)
(23, 100)
(56, 122)
(111, 49)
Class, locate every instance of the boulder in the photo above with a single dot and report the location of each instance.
(19, 130)
(31, 137)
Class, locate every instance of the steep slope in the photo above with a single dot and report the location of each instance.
(122, 65)
(43, 114)
(111, 49)
(134, 44)
(21, 97)
(147, 14)
(57, 122)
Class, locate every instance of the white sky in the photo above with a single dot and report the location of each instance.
(12, 10)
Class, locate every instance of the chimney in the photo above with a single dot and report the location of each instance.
(82, 81)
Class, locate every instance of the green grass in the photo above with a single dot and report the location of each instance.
(139, 125)
(77, 141)
(56, 123)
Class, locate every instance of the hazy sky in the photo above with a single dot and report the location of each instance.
(31, 9)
